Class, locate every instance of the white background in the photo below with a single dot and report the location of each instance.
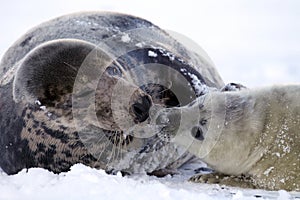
(254, 42)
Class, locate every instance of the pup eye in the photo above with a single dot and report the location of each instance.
(203, 122)
(114, 71)
(197, 133)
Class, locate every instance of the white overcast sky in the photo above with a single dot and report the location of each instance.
(254, 42)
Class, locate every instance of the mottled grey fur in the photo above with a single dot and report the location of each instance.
(37, 76)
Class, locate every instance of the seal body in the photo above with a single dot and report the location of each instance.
(253, 134)
(71, 89)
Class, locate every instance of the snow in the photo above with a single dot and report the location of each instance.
(37, 102)
(43, 108)
(140, 44)
(125, 38)
(83, 182)
(166, 53)
(86, 183)
(283, 195)
(152, 54)
(199, 87)
(267, 172)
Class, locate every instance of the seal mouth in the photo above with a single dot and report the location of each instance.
(141, 109)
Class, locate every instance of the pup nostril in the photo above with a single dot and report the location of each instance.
(141, 110)
(197, 133)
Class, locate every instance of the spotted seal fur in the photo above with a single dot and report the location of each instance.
(45, 122)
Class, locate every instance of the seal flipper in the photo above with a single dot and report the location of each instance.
(222, 179)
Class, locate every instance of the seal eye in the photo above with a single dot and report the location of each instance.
(197, 133)
(114, 71)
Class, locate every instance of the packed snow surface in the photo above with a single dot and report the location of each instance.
(83, 182)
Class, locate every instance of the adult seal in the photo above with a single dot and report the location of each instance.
(249, 137)
(76, 88)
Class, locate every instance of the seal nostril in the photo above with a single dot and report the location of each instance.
(137, 109)
(147, 102)
(141, 110)
(197, 133)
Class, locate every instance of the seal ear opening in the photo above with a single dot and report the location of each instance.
(48, 72)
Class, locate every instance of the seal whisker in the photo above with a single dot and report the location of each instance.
(163, 90)
(71, 66)
(120, 146)
(103, 144)
(110, 155)
(114, 148)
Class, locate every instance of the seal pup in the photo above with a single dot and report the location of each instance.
(249, 137)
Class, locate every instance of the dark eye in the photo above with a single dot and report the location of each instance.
(197, 133)
(203, 122)
(114, 71)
